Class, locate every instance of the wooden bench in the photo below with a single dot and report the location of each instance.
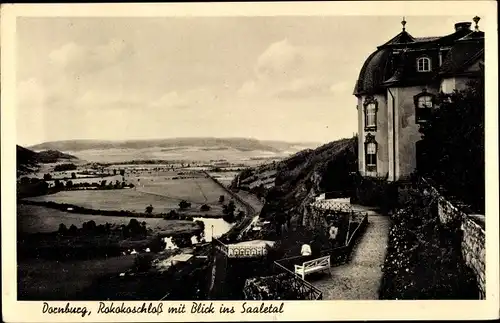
(311, 266)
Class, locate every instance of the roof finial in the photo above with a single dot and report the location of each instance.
(403, 23)
(476, 20)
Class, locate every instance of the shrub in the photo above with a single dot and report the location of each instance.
(184, 204)
(205, 208)
(143, 262)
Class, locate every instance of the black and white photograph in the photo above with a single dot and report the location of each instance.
(251, 158)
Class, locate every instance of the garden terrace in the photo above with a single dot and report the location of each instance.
(272, 286)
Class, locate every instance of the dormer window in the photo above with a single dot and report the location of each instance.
(371, 107)
(424, 102)
(424, 64)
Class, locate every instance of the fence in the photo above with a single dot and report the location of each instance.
(341, 255)
(300, 287)
(297, 285)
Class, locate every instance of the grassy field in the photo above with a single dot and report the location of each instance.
(36, 278)
(196, 188)
(31, 219)
(224, 178)
(125, 199)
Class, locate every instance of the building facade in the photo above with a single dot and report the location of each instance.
(396, 90)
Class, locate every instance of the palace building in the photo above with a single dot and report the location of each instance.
(396, 90)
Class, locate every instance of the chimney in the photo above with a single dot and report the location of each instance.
(462, 26)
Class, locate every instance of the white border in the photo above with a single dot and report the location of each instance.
(294, 310)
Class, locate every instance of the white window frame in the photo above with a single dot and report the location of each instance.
(421, 64)
(371, 115)
(425, 102)
(374, 153)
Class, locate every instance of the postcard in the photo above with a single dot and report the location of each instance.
(249, 161)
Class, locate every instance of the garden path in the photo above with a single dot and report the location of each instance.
(360, 278)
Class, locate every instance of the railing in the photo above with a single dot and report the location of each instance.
(220, 245)
(302, 288)
(297, 285)
(340, 255)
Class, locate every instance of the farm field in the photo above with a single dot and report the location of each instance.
(88, 179)
(36, 278)
(196, 188)
(225, 178)
(125, 199)
(32, 219)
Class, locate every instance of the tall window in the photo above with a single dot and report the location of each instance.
(370, 106)
(424, 102)
(424, 64)
(371, 120)
(370, 153)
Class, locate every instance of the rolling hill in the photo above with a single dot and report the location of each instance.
(241, 144)
(291, 184)
(28, 160)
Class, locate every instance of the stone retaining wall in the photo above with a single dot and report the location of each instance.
(473, 234)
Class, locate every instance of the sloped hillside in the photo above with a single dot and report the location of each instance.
(28, 160)
(52, 156)
(288, 186)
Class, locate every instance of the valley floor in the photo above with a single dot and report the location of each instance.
(361, 277)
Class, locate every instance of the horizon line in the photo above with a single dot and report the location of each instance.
(182, 137)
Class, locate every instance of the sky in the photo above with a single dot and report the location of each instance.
(275, 78)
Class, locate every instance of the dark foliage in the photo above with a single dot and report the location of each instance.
(228, 212)
(424, 259)
(184, 204)
(452, 149)
(143, 262)
(64, 167)
(204, 208)
(303, 176)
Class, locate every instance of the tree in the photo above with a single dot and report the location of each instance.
(58, 184)
(184, 204)
(228, 211)
(73, 175)
(205, 208)
(25, 180)
(73, 229)
(47, 177)
(114, 171)
(69, 184)
(452, 149)
(221, 199)
(149, 209)
(62, 228)
(135, 229)
(122, 172)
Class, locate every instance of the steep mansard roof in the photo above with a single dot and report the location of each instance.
(461, 55)
(375, 70)
(383, 68)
